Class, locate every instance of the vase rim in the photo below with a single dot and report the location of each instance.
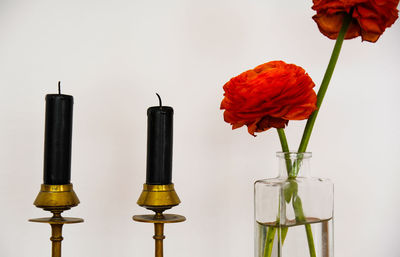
(294, 155)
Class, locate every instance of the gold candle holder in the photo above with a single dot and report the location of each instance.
(56, 199)
(158, 198)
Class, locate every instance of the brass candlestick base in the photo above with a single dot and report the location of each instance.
(159, 198)
(56, 199)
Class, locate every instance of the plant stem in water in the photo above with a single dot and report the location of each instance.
(292, 193)
(300, 217)
(269, 241)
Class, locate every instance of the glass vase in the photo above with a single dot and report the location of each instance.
(294, 211)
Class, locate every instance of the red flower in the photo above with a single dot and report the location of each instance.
(370, 17)
(268, 96)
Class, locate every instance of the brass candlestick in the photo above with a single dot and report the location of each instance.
(159, 198)
(56, 199)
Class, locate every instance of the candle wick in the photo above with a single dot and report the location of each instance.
(159, 99)
(59, 87)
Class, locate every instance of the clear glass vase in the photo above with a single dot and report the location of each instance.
(294, 211)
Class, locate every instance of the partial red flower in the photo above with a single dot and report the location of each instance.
(370, 17)
(268, 97)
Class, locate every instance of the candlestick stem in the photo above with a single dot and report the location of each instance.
(56, 233)
(56, 238)
(159, 220)
(56, 222)
(159, 237)
(59, 87)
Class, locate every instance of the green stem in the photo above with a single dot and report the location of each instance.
(310, 240)
(324, 84)
(285, 149)
(300, 218)
(291, 193)
(283, 139)
(297, 205)
(269, 241)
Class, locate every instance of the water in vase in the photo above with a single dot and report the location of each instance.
(292, 240)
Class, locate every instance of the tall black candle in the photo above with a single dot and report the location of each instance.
(159, 145)
(58, 139)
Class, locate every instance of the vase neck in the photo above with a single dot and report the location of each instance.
(294, 164)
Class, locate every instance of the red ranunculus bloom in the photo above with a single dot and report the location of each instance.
(268, 96)
(370, 17)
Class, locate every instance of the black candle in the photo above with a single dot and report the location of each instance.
(159, 145)
(58, 139)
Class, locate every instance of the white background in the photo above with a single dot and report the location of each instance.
(113, 56)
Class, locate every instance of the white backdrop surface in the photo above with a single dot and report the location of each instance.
(112, 56)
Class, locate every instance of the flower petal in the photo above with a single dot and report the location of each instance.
(268, 96)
